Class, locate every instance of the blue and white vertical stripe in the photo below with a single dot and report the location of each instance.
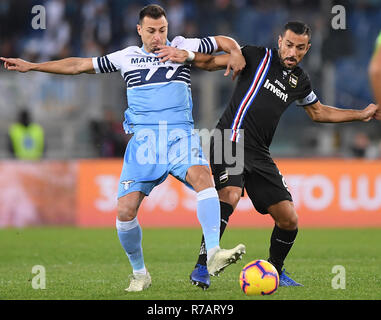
(250, 95)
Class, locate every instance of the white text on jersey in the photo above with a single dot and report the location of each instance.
(279, 93)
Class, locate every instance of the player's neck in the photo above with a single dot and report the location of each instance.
(146, 50)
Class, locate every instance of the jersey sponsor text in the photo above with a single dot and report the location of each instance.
(279, 93)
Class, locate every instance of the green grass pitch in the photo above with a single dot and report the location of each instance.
(89, 264)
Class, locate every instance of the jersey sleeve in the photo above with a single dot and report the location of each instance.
(206, 45)
(253, 54)
(307, 96)
(108, 63)
(252, 50)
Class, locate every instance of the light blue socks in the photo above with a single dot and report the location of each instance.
(208, 214)
(130, 236)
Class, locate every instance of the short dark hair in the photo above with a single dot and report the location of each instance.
(298, 27)
(153, 11)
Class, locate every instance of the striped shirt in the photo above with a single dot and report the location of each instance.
(264, 90)
(156, 91)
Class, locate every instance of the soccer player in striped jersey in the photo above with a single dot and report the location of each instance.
(270, 82)
(375, 74)
(159, 117)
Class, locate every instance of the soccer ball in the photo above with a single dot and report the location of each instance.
(259, 277)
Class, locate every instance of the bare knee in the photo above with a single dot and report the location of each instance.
(199, 178)
(284, 215)
(126, 213)
(230, 195)
(288, 223)
(128, 206)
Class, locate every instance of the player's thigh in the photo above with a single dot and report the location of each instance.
(128, 205)
(265, 187)
(229, 186)
(188, 163)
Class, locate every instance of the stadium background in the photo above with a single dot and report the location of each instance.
(333, 171)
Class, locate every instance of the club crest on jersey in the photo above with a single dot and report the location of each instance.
(293, 80)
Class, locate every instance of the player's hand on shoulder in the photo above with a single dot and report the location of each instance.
(236, 63)
(16, 64)
(371, 112)
(173, 54)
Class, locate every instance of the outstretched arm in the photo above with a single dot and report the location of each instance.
(211, 63)
(375, 77)
(234, 60)
(200, 60)
(319, 112)
(69, 66)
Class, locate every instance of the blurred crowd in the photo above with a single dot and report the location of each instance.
(87, 28)
(94, 27)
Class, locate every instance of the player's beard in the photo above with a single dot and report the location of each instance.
(283, 61)
(291, 60)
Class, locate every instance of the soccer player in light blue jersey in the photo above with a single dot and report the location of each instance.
(159, 117)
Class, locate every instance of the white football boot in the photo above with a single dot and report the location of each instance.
(223, 258)
(139, 282)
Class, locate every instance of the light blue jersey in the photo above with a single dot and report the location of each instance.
(159, 114)
(155, 91)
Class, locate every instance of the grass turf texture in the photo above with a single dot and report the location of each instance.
(89, 264)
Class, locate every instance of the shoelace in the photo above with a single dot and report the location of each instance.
(133, 277)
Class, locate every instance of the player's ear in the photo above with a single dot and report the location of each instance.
(308, 47)
(139, 29)
(280, 41)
